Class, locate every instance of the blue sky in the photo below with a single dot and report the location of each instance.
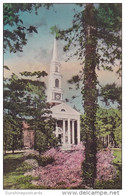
(60, 15)
(37, 54)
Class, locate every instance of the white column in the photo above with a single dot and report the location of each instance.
(64, 131)
(69, 139)
(78, 131)
(56, 131)
(73, 132)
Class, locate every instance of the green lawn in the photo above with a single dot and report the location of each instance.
(14, 169)
(118, 156)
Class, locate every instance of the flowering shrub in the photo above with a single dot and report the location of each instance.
(66, 171)
(105, 169)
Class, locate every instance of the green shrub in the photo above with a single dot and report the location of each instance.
(42, 160)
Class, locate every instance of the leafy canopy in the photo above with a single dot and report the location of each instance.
(24, 99)
(15, 32)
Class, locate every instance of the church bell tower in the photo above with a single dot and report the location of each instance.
(55, 92)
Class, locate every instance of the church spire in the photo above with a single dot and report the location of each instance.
(55, 92)
(54, 57)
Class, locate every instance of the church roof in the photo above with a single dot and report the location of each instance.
(63, 108)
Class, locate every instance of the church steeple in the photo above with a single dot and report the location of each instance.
(55, 93)
(54, 57)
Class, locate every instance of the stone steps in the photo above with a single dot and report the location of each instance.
(66, 147)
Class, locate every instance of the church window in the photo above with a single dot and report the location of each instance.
(63, 110)
(57, 69)
(57, 83)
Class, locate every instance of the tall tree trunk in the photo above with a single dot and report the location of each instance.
(108, 142)
(5, 145)
(90, 96)
(13, 145)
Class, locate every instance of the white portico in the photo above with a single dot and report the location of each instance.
(68, 119)
(68, 124)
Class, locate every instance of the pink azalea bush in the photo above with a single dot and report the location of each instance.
(105, 169)
(66, 171)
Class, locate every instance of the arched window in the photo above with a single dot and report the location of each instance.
(63, 110)
(57, 69)
(57, 83)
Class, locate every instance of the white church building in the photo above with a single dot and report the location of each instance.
(68, 119)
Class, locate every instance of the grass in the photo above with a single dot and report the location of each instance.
(118, 156)
(14, 169)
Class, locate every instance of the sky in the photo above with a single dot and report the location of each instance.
(37, 54)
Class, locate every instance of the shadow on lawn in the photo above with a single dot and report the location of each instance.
(11, 162)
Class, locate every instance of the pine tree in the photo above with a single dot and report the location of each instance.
(96, 35)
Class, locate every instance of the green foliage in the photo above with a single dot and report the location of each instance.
(109, 184)
(74, 79)
(118, 135)
(42, 160)
(24, 99)
(118, 156)
(109, 16)
(40, 141)
(15, 32)
(38, 74)
(12, 135)
(55, 30)
(90, 96)
(45, 138)
(109, 20)
(111, 93)
(6, 67)
(108, 122)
